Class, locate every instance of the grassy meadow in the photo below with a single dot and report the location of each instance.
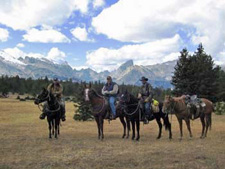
(24, 143)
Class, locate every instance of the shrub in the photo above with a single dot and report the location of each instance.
(220, 108)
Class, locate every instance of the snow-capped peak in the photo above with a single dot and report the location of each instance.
(10, 58)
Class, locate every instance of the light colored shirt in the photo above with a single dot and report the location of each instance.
(114, 91)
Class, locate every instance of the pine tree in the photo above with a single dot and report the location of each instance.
(196, 74)
(83, 108)
(181, 73)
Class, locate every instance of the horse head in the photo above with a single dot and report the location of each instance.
(125, 97)
(89, 92)
(167, 104)
(42, 97)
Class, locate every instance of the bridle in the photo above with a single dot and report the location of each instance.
(45, 99)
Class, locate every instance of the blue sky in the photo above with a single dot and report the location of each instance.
(102, 34)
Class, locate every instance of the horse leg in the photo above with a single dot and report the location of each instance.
(56, 127)
(133, 128)
(187, 120)
(128, 127)
(138, 129)
(157, 118)
(97, 121)
(202, 117)
(124, 126)
(181, 127)
(50, 127)
(207, 119)
(101, 121)
(53, 132)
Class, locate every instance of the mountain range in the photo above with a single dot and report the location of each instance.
(159, 75)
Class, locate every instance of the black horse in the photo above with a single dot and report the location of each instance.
(132, 109)
(53, 110)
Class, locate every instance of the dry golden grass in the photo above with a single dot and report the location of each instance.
(25, 144)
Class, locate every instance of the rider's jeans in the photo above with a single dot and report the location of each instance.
(112, 104)
(147, 108)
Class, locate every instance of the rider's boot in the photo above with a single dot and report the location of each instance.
(146, 120)
(42, 116)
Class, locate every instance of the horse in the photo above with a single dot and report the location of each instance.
(100, 111)
(53, 110)
(132, 110)
(177, 106)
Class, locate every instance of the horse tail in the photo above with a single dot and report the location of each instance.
(164, 116)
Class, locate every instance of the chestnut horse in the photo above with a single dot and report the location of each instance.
(177, 106)
(101, 110)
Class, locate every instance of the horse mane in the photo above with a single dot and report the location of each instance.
(96, 93)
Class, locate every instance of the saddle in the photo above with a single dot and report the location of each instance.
(198, 104)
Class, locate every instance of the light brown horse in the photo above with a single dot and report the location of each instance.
(177, 106)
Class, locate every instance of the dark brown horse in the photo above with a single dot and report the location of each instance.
(177, 106)
(101, 110)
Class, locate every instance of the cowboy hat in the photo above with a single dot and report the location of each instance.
(143, 78)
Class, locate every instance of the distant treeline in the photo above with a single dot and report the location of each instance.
(17, 85)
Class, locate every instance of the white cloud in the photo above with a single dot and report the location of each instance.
(25, 14)
(45, 36)
(143, 54)
(15, 52)
(4, 35)
(149, 20)
(20, 45)
(56, 55)
(81, 34)
(98, 3)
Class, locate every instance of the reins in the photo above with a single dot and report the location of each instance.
(130, 114)
(49, 98)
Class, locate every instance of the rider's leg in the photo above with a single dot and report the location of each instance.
(112, 105)
(147, 112)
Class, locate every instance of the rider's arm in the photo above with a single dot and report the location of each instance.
(104, 91)
(49, 87)
(115, 89)
(60, 90)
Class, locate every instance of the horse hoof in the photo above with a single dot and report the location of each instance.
(158, 138)
(123, 136)
(137, 139)
(132, 138)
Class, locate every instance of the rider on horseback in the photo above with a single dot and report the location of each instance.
(56, 88)
(110, 90)
(145, 95)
